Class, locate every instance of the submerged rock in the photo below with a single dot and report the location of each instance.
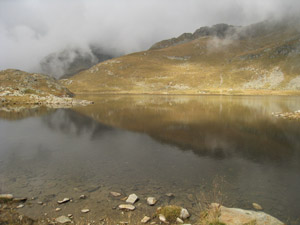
(235, 216)
(132, 198)
(63, 219)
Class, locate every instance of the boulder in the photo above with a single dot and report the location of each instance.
(235, 216)
(63, 219)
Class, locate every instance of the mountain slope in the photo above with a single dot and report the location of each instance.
(258, 59)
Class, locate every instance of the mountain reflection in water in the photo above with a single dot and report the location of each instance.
(152, 145)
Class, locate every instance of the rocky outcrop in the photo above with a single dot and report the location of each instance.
(18, 87)
(219, 30)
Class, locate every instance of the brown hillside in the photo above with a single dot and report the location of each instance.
(258, 59)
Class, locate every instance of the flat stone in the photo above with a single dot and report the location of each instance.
(70, 215)
(127, 207)
(6, 197)
(184, 214)
(235, 216)
(40, 203)
(146, 219)
(57, 209)
(65, 200)
(85, 210)
(115, 194)
(151, 201)
(178, 220)
(63, 219)
(257, 206)
(132, 198)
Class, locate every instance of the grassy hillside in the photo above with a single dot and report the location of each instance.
(259, 59)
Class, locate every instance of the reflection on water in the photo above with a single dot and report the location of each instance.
(152, 145)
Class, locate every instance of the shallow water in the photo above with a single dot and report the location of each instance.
(152, 145)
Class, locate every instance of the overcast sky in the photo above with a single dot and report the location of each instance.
(32, 29)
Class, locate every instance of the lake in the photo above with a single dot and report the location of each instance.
(200, 148)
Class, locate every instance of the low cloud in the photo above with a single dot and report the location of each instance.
(32, 30)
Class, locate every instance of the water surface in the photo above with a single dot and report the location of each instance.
(152, 145)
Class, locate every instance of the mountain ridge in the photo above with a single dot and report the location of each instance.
(257, 59)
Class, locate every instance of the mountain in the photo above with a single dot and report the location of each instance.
(70, 61)
(262, 58)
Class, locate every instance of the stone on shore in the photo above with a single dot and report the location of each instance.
(162, 218)
(65, 200)
(132, 198)
(151, 201)
(235, 216)
(115, 194)
(85, 210)
(63, 219)
(172, 212)
(6, 197)
(257, 206)
(146, 219)
(20, 206)
(127, 207)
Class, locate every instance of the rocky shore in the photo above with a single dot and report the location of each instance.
(214, 214)
(288, 115)
(21, 88)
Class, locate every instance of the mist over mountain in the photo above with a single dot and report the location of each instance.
(55, 37)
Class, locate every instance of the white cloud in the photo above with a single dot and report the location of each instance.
(32, 29)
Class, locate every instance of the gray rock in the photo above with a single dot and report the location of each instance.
(132, 198)
(63, 219)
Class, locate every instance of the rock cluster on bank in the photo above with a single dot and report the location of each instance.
(288, 115)
(18, 87)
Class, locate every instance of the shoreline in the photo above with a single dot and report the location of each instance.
(210, 213)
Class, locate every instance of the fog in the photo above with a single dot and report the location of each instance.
(47, 35)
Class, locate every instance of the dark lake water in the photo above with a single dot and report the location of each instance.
(152, 145)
